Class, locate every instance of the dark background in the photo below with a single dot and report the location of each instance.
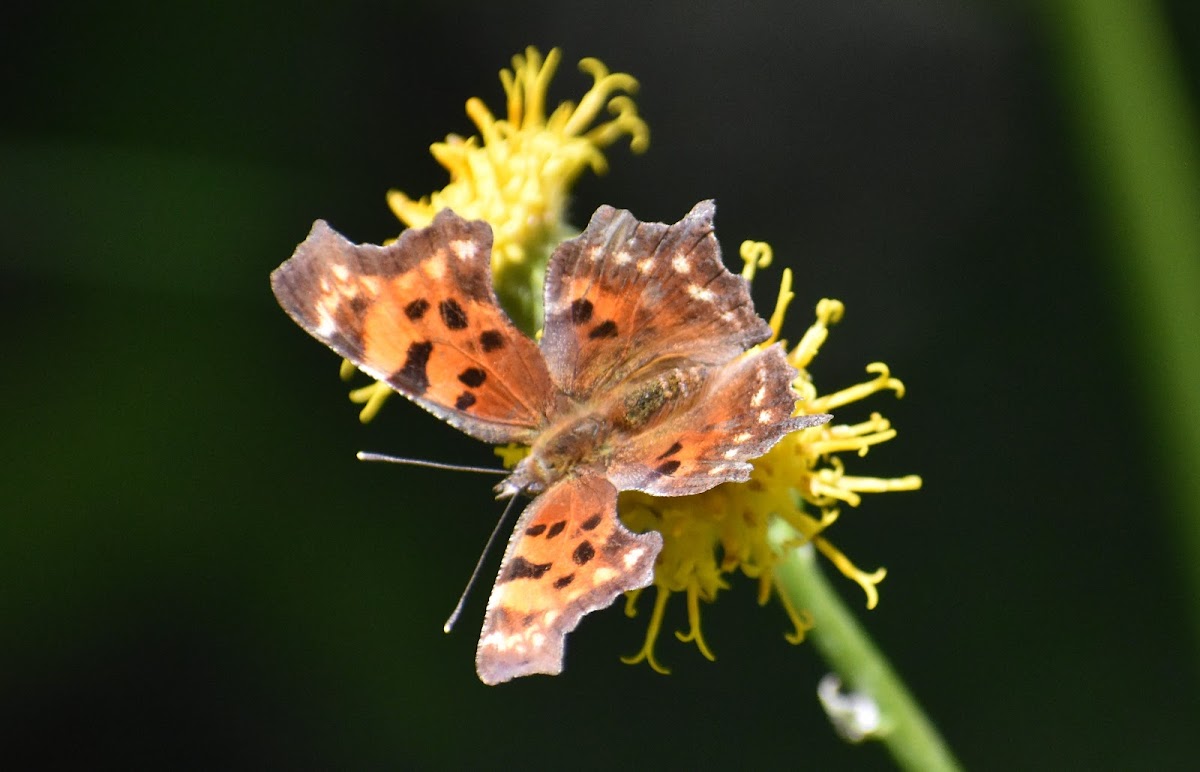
(194, 570)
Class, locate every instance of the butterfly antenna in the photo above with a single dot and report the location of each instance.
(478, 567)
(365, 456)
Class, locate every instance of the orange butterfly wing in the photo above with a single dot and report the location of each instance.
(627, 295)
(421, 315)
(569, 555)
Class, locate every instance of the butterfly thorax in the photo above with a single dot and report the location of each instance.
(588, 435)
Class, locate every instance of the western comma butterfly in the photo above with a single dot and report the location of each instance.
(640, 382)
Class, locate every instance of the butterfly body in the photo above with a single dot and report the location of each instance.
(641, 381)
(562, 448)
(591, 437)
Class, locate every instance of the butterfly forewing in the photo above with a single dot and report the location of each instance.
(421, 315)
(625, 295)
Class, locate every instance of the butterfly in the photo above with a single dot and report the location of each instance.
(641, 381)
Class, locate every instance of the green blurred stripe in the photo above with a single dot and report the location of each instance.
(1138, 131)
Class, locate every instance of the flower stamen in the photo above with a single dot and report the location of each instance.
(802, 621)
(755, 255)
(652, 629)
(693, 635)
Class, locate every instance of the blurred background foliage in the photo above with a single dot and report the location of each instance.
(194, 570)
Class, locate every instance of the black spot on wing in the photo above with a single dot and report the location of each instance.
(453, 315)
(670, 451)
(491, 340)
(473, 377)
(416, 309)
(412, 376)
(520, 568)
(581, 311)
(465, 400)
(591, 522)
(563, 581)
(583, 553)
(358, 306)
(606, 329)
(535, 530)
(667, 467)
(556, 529)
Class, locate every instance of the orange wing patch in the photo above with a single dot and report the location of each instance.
(569, 555)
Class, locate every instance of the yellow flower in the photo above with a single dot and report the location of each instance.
(516, 174)
(801, 481)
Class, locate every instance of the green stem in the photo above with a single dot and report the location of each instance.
(907, 732)
(1137, 130)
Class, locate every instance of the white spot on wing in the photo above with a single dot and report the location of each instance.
(633, 556)
(764, 417)
(680, 264)
(499, 641)
(759, 396)
(326, 326)
(623, 258)
(520, 642)
(701, 293)
(462, 249)
(340, 271)
(603, 575)
(435, 269)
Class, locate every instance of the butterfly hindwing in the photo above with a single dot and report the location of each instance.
(569, 555)
(745, 407)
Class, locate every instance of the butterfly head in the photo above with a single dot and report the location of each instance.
(556, 453)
